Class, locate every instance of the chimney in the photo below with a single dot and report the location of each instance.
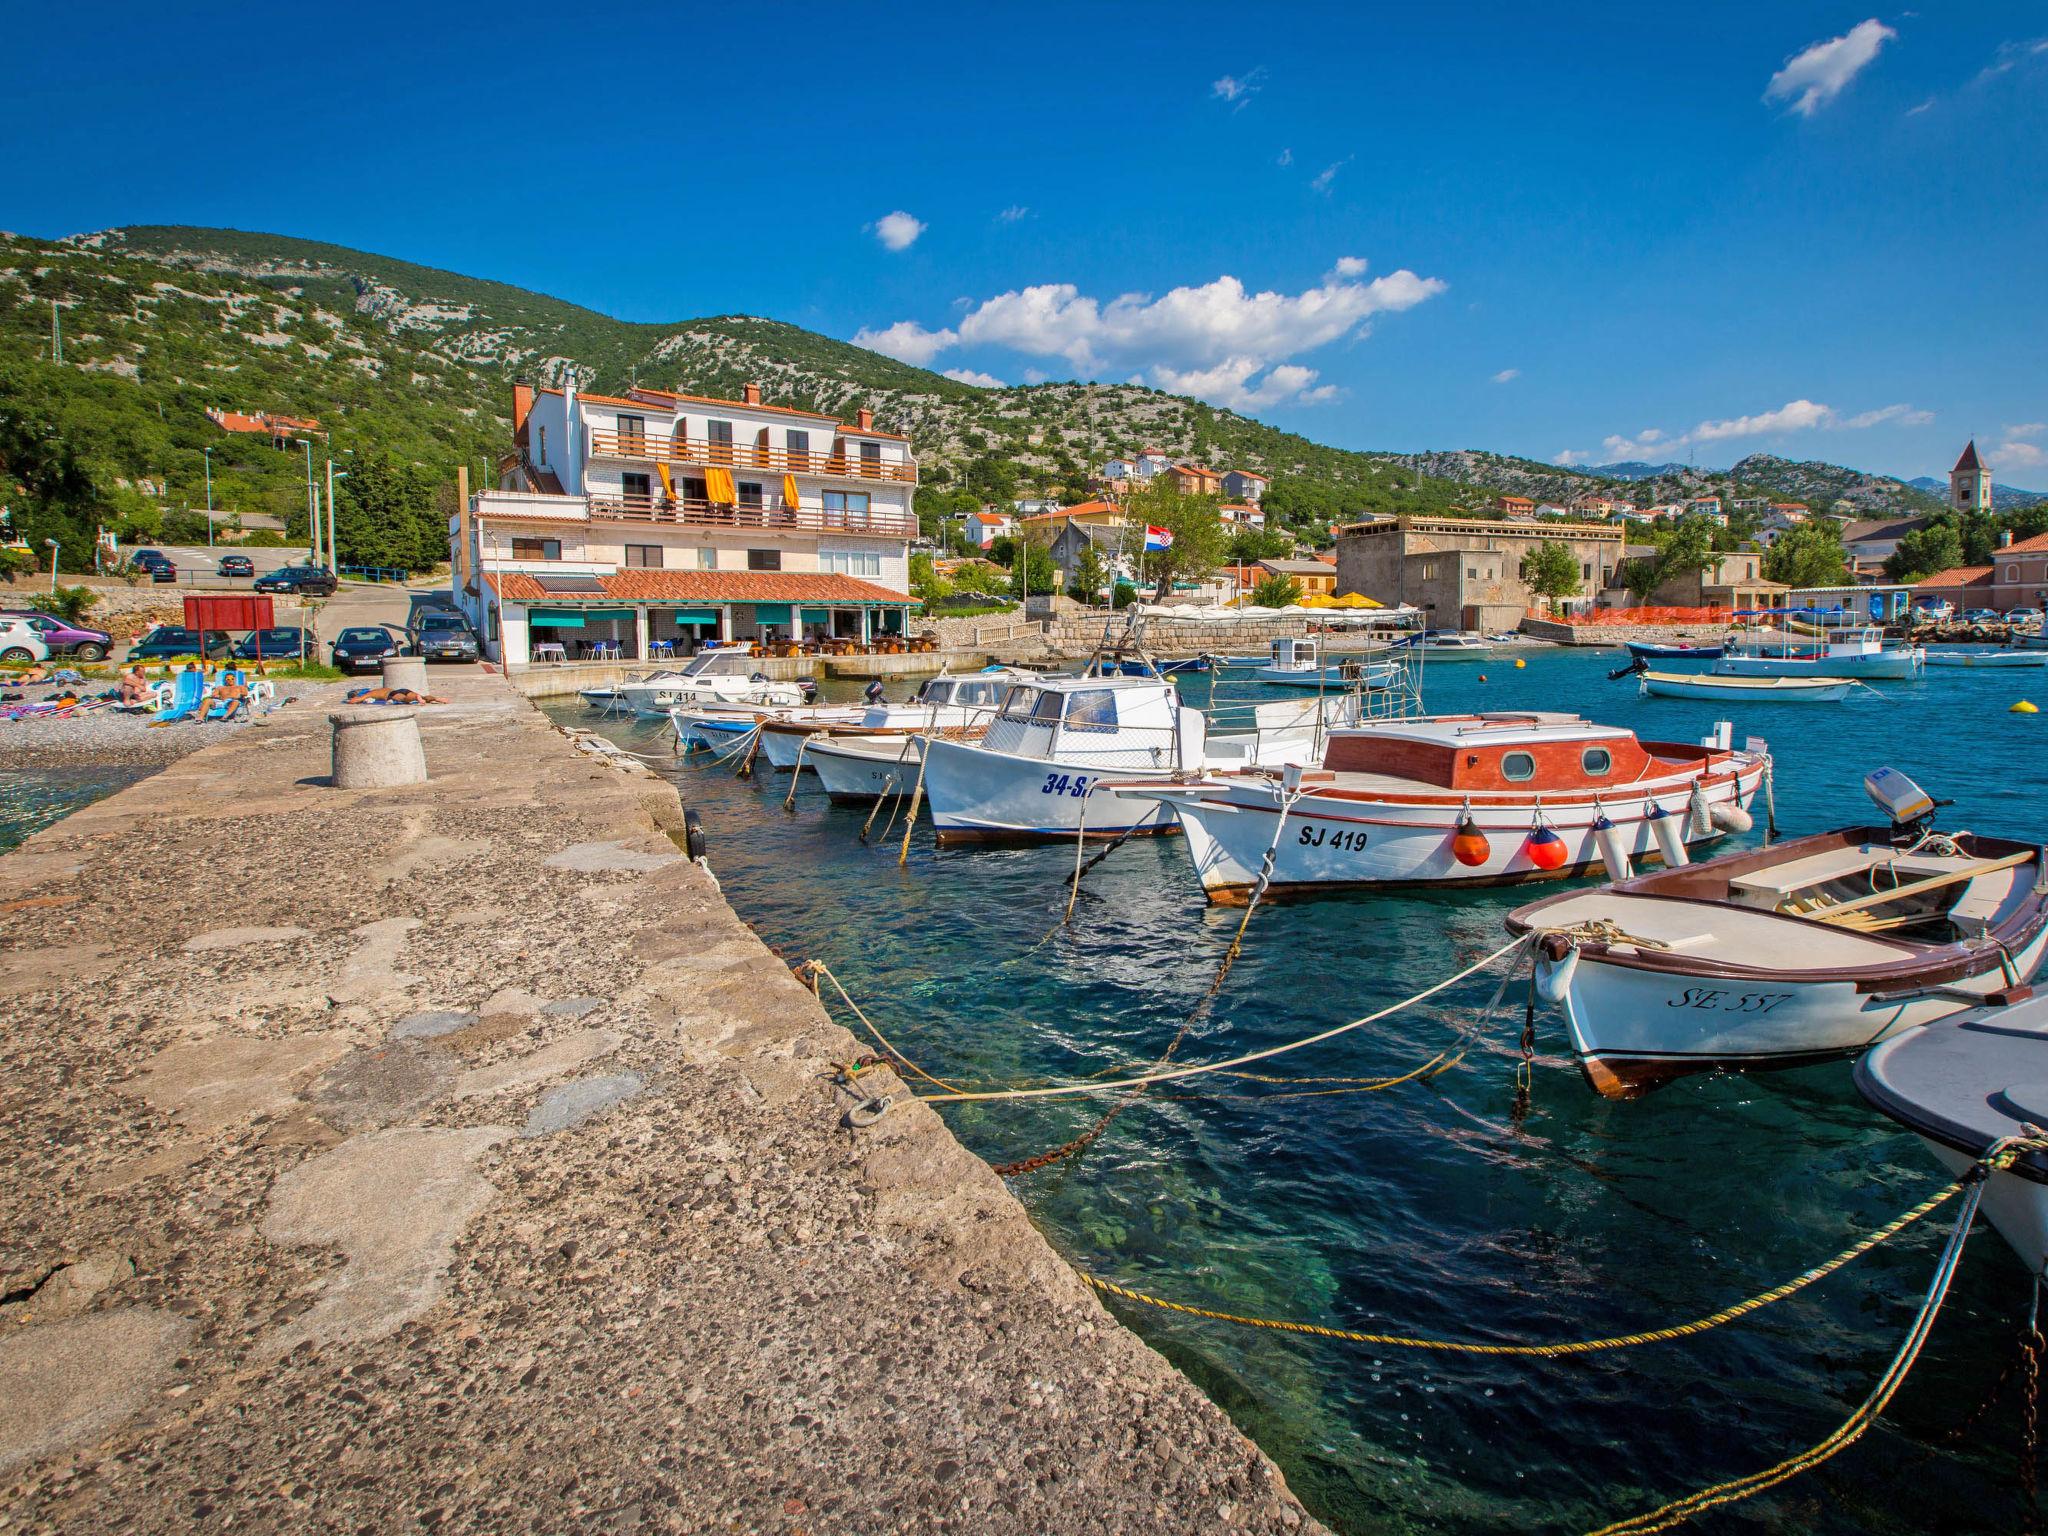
(753, 394)
(2005, 539)
(522, 407)
(864, 419)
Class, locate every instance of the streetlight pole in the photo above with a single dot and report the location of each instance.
(55, 549)
(312, 502)
(207, 454)
(332, 556)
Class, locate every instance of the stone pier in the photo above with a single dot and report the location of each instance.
(450, 1158)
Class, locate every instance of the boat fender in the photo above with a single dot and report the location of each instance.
(1554, 975)
(1468, 844)
(1670, 841)
(1613, 848)
(1546, 850)
(693, 834)
(1697, 822)
(1731, 818)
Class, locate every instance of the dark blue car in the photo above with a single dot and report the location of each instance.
(284, 642)
(363, 650)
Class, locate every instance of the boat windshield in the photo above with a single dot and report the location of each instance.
(717, 664)
(1041, 705)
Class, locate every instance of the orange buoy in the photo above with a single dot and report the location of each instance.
(1482, 677)
(1469, 845)
(1546, 849)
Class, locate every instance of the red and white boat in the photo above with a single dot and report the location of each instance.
(1459, 799)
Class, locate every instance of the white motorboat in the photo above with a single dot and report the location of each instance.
(1964, 1086)
(945, 702)
(1744, 690)
(855, 769)
(1298, 663)
(1816, 947)
(1033, 773)
(714, 677)
(1858, 654)
(1989, 660)
(1462, 799)
(1447, 645)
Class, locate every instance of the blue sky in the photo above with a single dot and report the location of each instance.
(1612, 231)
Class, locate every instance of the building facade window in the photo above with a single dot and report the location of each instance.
(749, 492)
(871, 456)
(707, 559)
(543, 446)
(851, 562)
(846, 506)
(632, 433)
(696, 490)
(764, 559)
(719, 435)
(635, 486)
(536, 549)
(646, 556)
(799, 448)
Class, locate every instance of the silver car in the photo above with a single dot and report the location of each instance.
(440, 634)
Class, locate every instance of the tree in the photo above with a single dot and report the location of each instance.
(1550, 571)
(1924, 551)
(992, 479)
(1276, 592)
(1091, 576)
(1033, 572)
(1248, 546)
(1682, 550)
(66, 603)
(926, 584)
(979, 577)
(1808, 556)
(389, 514)
(1200, 540)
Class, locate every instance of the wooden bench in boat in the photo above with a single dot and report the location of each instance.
(1773, 887)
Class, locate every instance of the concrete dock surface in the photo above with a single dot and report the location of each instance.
(451, 1158)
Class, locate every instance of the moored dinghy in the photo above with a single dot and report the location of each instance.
(1747, 690)
(1816, 947)
(1966, 1086)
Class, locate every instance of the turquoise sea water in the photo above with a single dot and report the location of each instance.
(31, 800)
(1425, 1208)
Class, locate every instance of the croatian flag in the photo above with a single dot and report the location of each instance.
(1158, 538)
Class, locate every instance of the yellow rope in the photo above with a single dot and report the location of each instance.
(1571, 1347)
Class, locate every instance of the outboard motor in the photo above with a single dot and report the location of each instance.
(873, 692)
(1909, 807)
(810, 688)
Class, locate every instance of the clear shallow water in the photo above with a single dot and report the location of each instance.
(30, 801)
(1422, 1209)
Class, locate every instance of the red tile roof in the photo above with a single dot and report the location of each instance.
(1084, 507)
(1961, 576)
(643, 586)
(2037, 545)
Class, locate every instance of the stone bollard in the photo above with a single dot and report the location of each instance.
(377, 748)
(406, 672)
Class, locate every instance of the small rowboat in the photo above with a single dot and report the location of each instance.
(1813, 948)
(1988, 659)
(1651, 651)
(1964, 1085)
(1759, 690)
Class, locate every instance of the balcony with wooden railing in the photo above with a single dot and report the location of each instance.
(655, 448)
(774, 516)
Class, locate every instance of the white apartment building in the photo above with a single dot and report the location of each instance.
(656, 519)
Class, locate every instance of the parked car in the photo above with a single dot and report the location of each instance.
(237, 565)
(361, 650)
(274, 644)
(65, 639)
(304, 580)
(441, 634)
(153, 563)
(2023, 618)
(177, 640)
(1983, 616)
(19, 643)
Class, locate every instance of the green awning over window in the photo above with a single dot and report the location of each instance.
(817, 616)
(771, 613)
(555, 618)
(693, 615)
(608, 613)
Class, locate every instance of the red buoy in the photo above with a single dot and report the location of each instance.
(1469, 845)
(1546, 849)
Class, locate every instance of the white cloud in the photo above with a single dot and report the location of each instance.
(1322, 179)
(1924, 106)
(1507, 375)
(1815, 77)
(1012, 214)
(1229, 383)
(2027, 429)
(1239, 90)
(898, 231)
(2010, 56)
(907, 341)
(1286, 157)
(2019, 456)
(1571, 456)
(978, 380)
(1793, 416)
(1216, 339)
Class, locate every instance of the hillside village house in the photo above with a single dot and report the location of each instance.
(1194, 480)
(1243, 485)
(1465, 573)
(1869, 542)
(2017, 577)
(1242, 515)
(661, 519)
(984, 528)
(1312, 576)
(279, 428)
(1516, 506)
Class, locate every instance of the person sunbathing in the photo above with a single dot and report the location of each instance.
(391, 696)
(135, 688)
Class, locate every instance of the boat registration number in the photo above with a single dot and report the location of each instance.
(1343, 839)
(1073, 785)
(1727, 1002)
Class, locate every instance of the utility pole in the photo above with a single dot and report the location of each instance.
(207, 456)
(312, 503)
(332, 558)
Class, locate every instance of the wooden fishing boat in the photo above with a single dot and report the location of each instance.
(1650, 650)
(1963, 1086)
(943, 702)
(1989, 660)
(1459, 800)
(1299, 663)
(1747, 690)
(1817, 947)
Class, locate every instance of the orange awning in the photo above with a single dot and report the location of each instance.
(718, 486)
(789, 490)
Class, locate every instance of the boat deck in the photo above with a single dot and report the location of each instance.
(1727, 935)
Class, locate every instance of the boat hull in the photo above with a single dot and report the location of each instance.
(1731, 689)
(980, 795)
(1883, 664)
(857, 770)
(1653, 652)
(1331, 845)
(2016, 1206)
(1989, 660)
